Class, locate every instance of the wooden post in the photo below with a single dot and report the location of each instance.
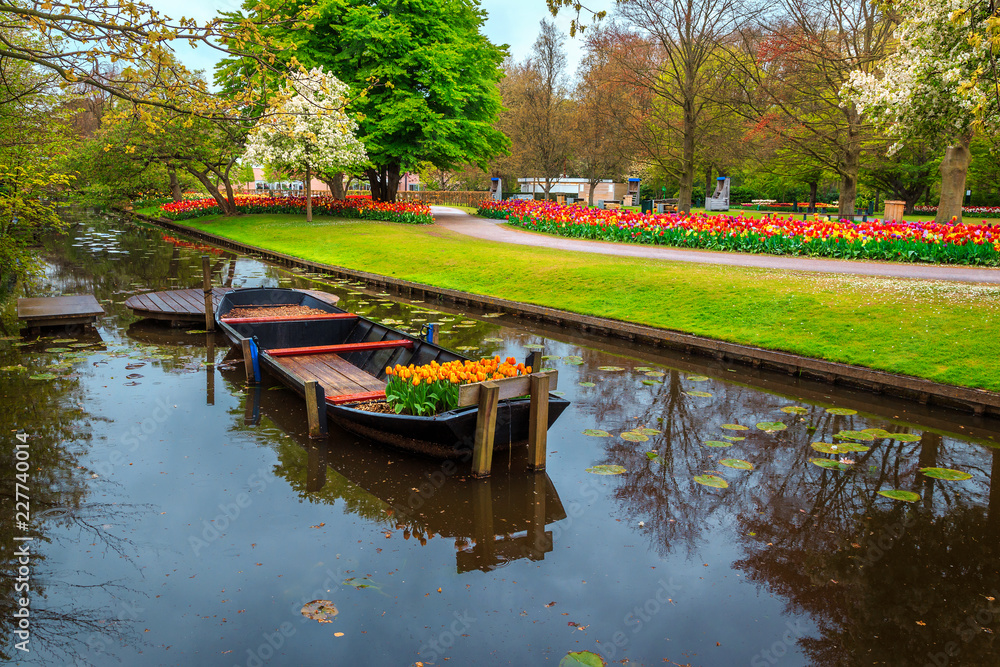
(486, 423)
(248, 360)
(538, 421)
(251, 410)
(210, 368)
(535, 361)
(315, 467)
(315, 408)
(206, 286)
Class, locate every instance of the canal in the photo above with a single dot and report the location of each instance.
(181, 517)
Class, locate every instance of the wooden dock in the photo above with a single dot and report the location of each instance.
(186, 306)
(56, 311)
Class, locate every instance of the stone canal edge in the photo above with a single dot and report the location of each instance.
(977, 401)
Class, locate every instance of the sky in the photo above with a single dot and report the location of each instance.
(512, 22)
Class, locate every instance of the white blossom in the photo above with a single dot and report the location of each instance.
(307, 127)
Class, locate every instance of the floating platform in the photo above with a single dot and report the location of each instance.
(185, 306)
(57, 311)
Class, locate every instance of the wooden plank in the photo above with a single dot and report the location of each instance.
(486, 424)
(355, 398)
(161, 305)
(538, 420)
(207, 296)
(81, 305)
(468, 394)
(288, 318)
(344, 368)
(186, 300)
(336, 374)
(338, 349)
(248, 360)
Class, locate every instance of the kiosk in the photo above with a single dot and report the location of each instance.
(496, 188)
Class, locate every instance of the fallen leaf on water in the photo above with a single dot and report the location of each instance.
(320, 525)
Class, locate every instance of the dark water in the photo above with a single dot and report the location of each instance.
(181, 518)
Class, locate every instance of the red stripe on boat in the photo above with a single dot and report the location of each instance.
(337, 349)
(287, 318)
(353, 398)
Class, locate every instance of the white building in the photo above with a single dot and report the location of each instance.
(606, 190)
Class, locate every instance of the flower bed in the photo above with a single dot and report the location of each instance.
(352, 207)
(978, 211)
(433, 388)
(775, 235)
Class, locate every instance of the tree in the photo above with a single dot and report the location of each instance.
(537, 118)
(601, 143)
(422, 78)
(906, 175)
(940, 86)
(672, 61)
(307, 129)
(794, 62)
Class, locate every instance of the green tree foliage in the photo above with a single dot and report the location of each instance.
(422, 77)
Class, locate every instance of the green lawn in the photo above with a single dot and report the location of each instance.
(946, 332)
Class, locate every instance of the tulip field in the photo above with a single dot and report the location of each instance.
(775, 235)
(354, 207)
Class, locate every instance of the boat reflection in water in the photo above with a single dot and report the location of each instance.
(493, 521)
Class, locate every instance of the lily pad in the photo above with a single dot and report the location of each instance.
(17, 368)
(573, 362)
(632, 436)
(610, 368)
(653, 456)
(946, 474)
(732, 438)
(877, 432)
(546, 357)
(699, 394)
(829, 464)
(646, 431)
(717, 443)
(597, 433)
(587, 384)
(651, 383)
(493, 340)
(466, 348)
(64, 340)
(794, 410)
(10, 337)
(739, 464)
(582, 659)
(57, 349)
(900, 494)
(855, 435)
(712, 480)
(534, 346)
(43, 376)
(196, 331)
(838, 448)
(771, 427)
(319, 610)
(735, 427)
(905, 437)
(841, 411)
(643, 369)
(606, 470)
(83, 344)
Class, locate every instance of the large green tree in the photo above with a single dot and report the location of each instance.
(422, 76)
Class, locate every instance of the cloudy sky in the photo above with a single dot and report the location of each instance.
(512, 22)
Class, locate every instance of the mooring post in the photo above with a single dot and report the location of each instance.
(315, 408)
(245, 346)
(206, 286)
(538, 420)
(535, 361)
(486, 424)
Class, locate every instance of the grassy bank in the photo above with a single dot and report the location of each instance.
(945, 332)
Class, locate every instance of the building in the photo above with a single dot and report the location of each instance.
(606, 190)
(407, 182)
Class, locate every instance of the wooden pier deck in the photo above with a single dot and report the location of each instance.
(185, 306)
(54, 311)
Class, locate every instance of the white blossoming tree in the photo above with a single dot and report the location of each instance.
(940, 87)
(305, 129)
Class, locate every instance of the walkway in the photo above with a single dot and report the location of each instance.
(493, 230)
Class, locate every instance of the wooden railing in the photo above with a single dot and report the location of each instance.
(444, 197)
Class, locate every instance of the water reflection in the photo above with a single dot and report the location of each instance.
(791, 564)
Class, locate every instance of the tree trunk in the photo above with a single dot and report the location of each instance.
(954, 169)
(848, 183)
(687, 161)
(384, 180)
(175, 184)
(708, 183)
(224, 204)
(590, 195)
(337, 185)
(813, 187)
(309, 195)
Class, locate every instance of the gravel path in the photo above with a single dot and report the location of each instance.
(492, 230)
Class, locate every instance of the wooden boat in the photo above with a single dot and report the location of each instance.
(347, 354)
